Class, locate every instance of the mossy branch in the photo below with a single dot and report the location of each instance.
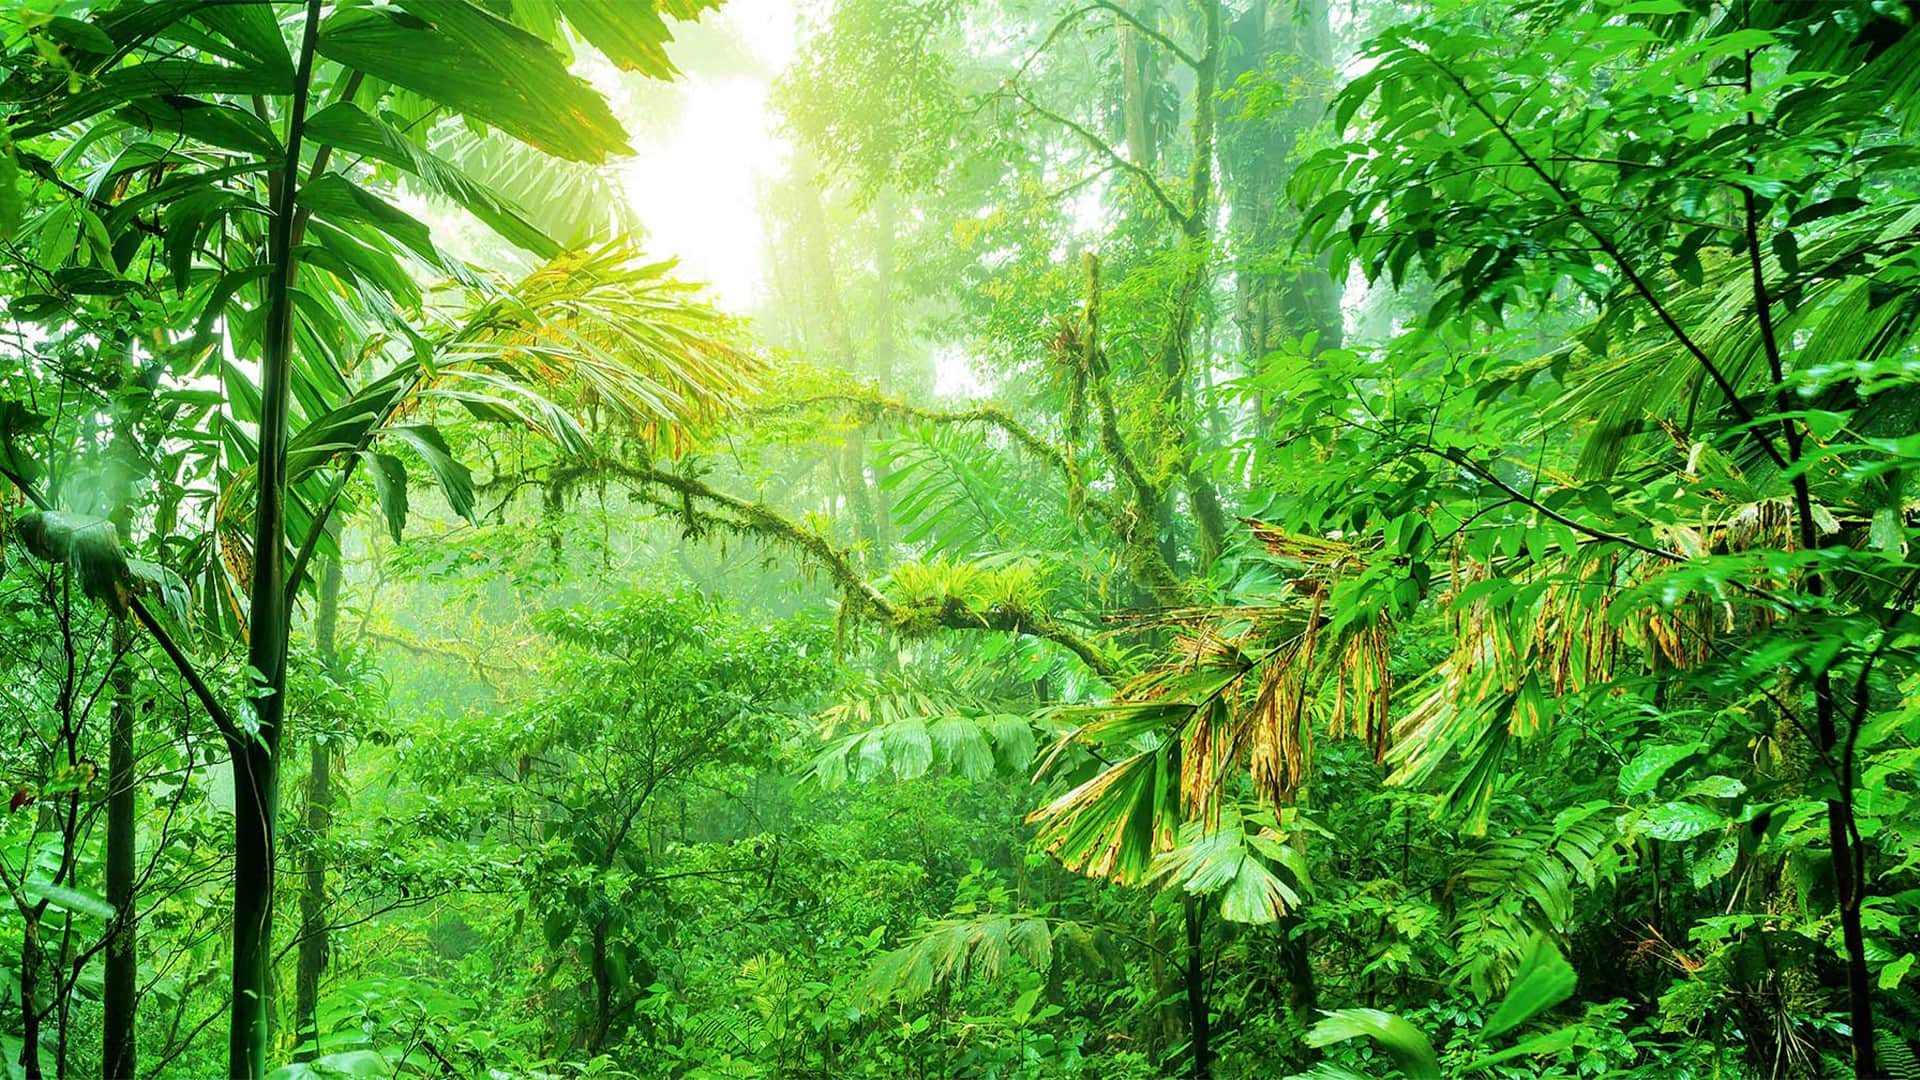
(874, 407)
(754, 520)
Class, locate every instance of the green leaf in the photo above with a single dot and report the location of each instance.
(631, 35)
(481, 66)
(152, 578)
(352, 131)
(253, 30)
(154, 78)
(1891, 975)
(12, 203)
(455, 479)
(338, 199)
(1845, 204)
(210, 122)
(88, 544)
(1401, 1040)
(17, 422)
(1639, 776)
(355, 1063)
(1714, 787)
(66, 898)
(75, 34)
(1551, 1042)
(390, 485)
(1544, 980)
(1682, 821)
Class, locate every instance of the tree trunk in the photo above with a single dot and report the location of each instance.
(313, 885)
(121, 982)
(1137, 83)
(1199, 1024)
(120, 978)
(602, 989)
(1273, 305)
(256, 753)
(30, 963)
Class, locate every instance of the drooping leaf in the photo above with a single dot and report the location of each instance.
(481, 66)
(350, 130)
(153, 78)
(1402, 1041)
(389, 478)
(68, 898)
(89, 545)
(1544, 980)
(456, 480)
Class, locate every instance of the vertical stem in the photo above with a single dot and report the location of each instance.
(30, 962)
(1848, 870)
(256, 752)
(121, 984)
(120, 978)
(313, 886)
(1199, 1024)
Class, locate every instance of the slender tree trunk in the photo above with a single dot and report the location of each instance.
(1199, 1024)
(1257, 156)
(1137, 83)
(256, 753)
(121, 984)
(120, 977)
(313, 885)
(31, 960)
(602, 989)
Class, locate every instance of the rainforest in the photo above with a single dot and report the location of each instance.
(1014, 539)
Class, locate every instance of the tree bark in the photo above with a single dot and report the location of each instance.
(1273, 304)
(313, 885)
(1199, 1024)
(256, 752)
(1137, 83)
(120, 989)
(31, 958)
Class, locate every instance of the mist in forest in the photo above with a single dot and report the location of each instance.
(959, 538)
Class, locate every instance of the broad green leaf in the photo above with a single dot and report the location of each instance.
(481, 66)
(67, 898)
(1544, 980)
(352, 131)
(1402, 1041)
(1682, 821)
(1893, 973)
(153, 78)
(12, 202)
(211, 122)
(253, 32)
(1551, 1042)
(389, 478)
(632, 35)
(1640, 775)
(455, 479)
(338, 199)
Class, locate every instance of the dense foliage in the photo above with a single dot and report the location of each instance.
(1420, 584)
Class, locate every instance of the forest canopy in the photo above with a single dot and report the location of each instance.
(1207, 538)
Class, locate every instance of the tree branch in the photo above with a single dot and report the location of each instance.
(876, 406)
(1606, 242)
(1179, 215)
(1144, 30)
(753, 519)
